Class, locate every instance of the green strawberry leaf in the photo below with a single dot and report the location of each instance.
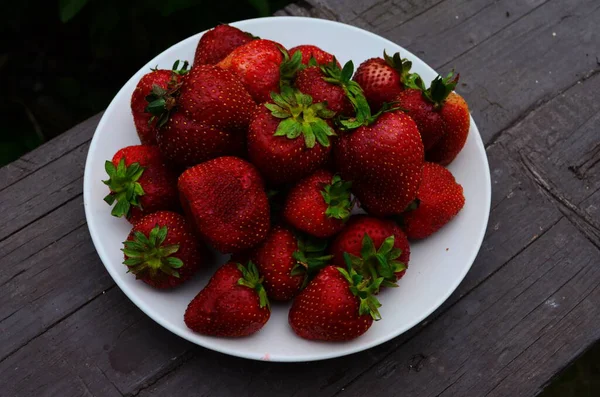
(146, 255)
(124, 187)
(299, 116)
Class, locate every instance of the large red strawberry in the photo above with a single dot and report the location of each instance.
(384, 160)
(337, 305)
(290, 138)
(377, 248)
(161, 250)
(319, 204)
(225, 199)
(442, 117)
(329, 84)
(257, 64)
(287, 261)
(140, 183)
(439, 199)
(218, 42)
(309, 51)
(233, 303)
(205, 116)
(382, 79)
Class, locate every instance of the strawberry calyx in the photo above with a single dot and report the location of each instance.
(337, 197)
(252, 279)
(354, 93)
(364, 288)
(289, 67)
(124, 186)
(400, 65)
(300, 116)
(148, 255)
(161, 101)
(375, 263)
(310, 258)
(439, 89)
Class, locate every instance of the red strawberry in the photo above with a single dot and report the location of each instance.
(439, 199)
(225, 199)
(211, 114)
(289, 139)
(218, 42)
(257, 65)
(423, 112)
(382, 78)
(338, 305)
(311, 51)
(140, 182)
(233, 303)
(328, 83)
(286, 262)
(442, 116)
(377, 248)
(384, 160)
(319, 204)
(145, 128)
(161, 250)
(455, 113)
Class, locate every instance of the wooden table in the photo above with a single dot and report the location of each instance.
(528, 307)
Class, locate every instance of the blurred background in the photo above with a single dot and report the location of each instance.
(64, 60)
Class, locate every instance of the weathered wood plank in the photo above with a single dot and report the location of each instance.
(52, 150)
(109, 335)
(16, 249)
(42, 191)
(57, 281)
(563, 140)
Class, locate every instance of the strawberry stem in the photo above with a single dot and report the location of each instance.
(162, 101)
(147, 254)
(251, 279)
(337, 197)
(310, 258)
(363, 288)
(375, 263)
(300, 116)
(124, 186)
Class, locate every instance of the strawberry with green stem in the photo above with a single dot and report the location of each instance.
(205, 115)
(157, 81)
(332, 85)
(319, 205)
(339, 304)
(161, 250)
(376, 247)
(288, 261)
(140, 183)
(290, 137)
(233, 304)
(382, 79)
(441, 114)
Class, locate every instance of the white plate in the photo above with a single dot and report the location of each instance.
(437, 265)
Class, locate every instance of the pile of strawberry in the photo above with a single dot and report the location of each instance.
(263, 153)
